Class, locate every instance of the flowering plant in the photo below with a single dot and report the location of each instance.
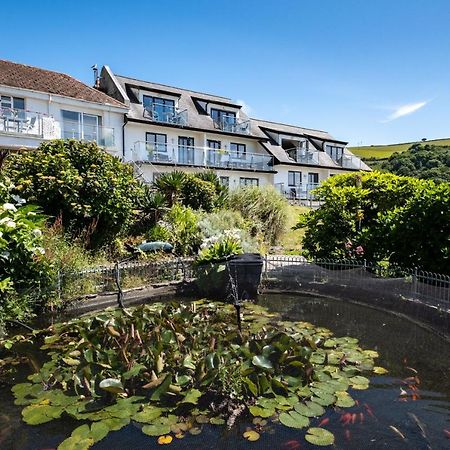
(221, 246)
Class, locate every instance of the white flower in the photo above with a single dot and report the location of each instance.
(8, 222)
(9, 207)
(37, 232)
(18, 199)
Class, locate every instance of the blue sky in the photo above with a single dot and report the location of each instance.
(367, 71)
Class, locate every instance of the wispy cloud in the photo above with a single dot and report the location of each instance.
(405, 110)
(245, 107)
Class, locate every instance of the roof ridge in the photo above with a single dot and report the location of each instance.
(288, 125)
(175, 87)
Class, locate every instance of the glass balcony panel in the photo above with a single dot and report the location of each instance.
(21, 122)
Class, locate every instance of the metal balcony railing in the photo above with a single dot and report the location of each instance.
(22, 122)
(103, 136)
(303, 156)
(349, 162)
(166, 114)
(232, 125)
(200, 157)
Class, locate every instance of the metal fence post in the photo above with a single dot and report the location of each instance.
(414, 281)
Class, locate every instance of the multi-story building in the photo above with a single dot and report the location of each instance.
(38, 105)
(168, 127)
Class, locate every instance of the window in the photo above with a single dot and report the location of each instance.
(238, 150)
(156, 145)
(225, 181)
(82, 126)
(160, 109)
(249, 181)
(12, 102)
(294, 178)
(185, 150)
(213, 144)
(224, 119)
(334, 152)
(313, 178)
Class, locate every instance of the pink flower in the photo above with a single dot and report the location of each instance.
(359, 250)
(348, 245)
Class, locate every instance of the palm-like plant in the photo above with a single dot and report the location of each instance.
(170, 185)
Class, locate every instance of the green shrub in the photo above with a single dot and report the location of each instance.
(25, 274)
(199, 194)
(90, 189)
(264, 207)
(222, 246)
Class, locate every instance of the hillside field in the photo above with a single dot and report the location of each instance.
(384, 151)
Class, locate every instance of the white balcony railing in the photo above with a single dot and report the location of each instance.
(302, 191)
(232, 125)
(200, 157)
(21, 122)
(166, 114)
(103, 136)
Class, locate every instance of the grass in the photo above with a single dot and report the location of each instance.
(291, 239)
(384, 151)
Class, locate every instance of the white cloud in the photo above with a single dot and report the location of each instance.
(245, 107)
(405, 110)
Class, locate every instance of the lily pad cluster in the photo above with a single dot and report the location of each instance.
(173, 368)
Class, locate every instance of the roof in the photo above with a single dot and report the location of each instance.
(34, 78)
(187, 100)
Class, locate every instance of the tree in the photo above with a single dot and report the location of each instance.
(93, 192)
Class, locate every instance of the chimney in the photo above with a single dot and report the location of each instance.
(96, 77)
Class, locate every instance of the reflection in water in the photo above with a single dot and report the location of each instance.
(383, 418)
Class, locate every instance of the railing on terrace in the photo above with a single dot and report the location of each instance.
(302, 191)
(350, 162)
(369, 279)
(200, 157)
(103, 136)
(233, 125)
(303, 156)
(166, 114)
(22, 122)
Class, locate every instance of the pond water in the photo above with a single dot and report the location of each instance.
(407, 409)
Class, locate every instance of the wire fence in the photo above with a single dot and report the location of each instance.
(134, 274)
(375, 279)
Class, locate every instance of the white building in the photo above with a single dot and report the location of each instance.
(169, 128)
(38, 105)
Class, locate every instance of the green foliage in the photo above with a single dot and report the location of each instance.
(264, 207)
(179, 226)
(87, 187)
(199, 194)
(170, 185)
(25, 273)
(429, 162)
(174, 367)
(380, 217)
(220, 246)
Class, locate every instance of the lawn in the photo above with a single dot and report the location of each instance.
(384, 151)
(291, 240)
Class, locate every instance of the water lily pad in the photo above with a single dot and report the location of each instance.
(164, 440)
(251, 435)
(380, 370)
(202, 419)
(344, 400)
(148, 414)
(195, 431)
(261, 412)
(156, 429)
(323, 398)
(37, 414)
(319, 436)
(216, 421)
(262, 362)
(192, 396)
(294, 420)
(309, 409)
(75, 443)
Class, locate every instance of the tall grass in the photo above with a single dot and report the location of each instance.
(264, 207)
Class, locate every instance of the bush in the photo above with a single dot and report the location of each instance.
(179, 226)
(199, 194)
(25, 274)
(87, 187)
(264, 207)
(380, 217)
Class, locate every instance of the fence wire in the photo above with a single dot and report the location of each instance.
(377, 279)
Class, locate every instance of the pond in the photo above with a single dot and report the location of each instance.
(407, 408)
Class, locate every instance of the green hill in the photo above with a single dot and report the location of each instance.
(384, 151)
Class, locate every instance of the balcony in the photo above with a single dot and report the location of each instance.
(103, 136)
(303, 156)
(166, 114)
(349, 162)
(200, 157)
(232, 125)
(302, 191)
(22, 122)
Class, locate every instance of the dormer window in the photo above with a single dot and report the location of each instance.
(225, 120)
(334, 152)
(163, 110)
